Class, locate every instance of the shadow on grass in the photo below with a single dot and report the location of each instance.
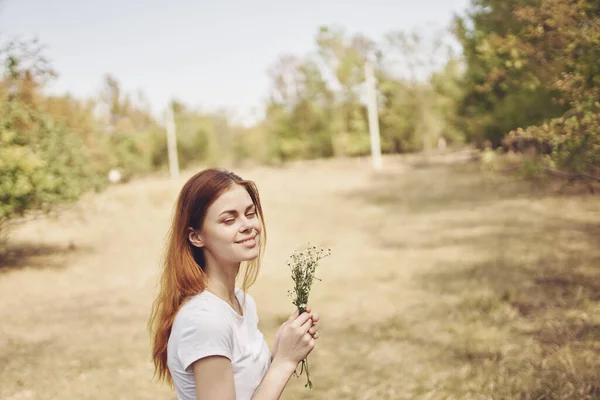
(432, 187)
(33, 255)
(547, 259)
(449, 187)
(518, 318)
(532, 318)
(541, 282)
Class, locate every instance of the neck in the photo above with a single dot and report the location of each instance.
(221, 279)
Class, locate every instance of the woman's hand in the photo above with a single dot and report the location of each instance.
(313, 331)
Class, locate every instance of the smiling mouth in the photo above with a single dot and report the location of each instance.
(247, 240)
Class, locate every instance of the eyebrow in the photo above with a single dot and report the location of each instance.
(235, 211)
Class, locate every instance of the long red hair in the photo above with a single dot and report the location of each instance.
(182, 268)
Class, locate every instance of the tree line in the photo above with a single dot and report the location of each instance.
(526, 79)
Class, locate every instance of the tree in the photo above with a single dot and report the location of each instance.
(495, 102)
(299, 111)
(562, 39)
(132, 134)
(541, 73)
(419, 91)
(344, 59)
(41, 165)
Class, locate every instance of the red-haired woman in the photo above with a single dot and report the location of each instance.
(206, 340)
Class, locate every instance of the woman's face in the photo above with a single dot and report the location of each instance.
(230, 232)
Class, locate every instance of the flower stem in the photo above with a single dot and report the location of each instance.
(308, 381)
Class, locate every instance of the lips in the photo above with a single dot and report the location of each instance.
(247, 240)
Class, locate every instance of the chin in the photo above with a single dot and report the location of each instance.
(251, 254)
(247, 254)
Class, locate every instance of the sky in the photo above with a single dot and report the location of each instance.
(208, 54)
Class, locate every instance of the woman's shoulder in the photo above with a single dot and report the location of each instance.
(198, 307)
(202, 318)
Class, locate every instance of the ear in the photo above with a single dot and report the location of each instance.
(195, 238)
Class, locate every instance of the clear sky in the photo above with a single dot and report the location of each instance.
(207, 53)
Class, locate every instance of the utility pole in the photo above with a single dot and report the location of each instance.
(172, 141)
(373, 117)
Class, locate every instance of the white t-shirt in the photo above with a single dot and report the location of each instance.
(207, 325)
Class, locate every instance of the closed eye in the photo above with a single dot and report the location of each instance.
(230, 221)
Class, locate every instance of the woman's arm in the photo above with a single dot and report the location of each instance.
(295, 343)
(213, 375)
(214, 378)
(275, 380)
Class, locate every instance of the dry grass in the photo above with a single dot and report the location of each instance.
(444, 283)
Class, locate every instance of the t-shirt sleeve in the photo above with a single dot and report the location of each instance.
(204, 335)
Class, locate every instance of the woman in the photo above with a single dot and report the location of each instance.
(205, 335)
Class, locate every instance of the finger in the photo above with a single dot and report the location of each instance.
(313, 329)
(315, 318)
(308, 309)
(294, 315)
(302, 319)
(307, 325)
(316, 335)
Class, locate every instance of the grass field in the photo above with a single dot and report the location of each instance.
(444, 283)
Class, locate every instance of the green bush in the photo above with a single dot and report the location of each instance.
(41, 166)
(537, 76)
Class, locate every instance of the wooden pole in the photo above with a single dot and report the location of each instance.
(373, 117)
(172, 142)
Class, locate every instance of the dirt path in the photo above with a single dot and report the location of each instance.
(73, 319)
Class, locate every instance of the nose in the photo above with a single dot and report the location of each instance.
(246, 225)
(246, 228)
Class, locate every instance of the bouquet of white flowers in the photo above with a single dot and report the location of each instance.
(303, 265)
